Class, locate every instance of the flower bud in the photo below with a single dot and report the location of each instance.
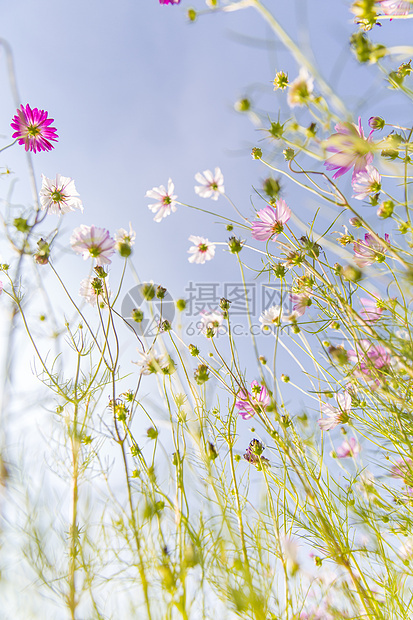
(256, 153)
(376, 122)
(385, 209)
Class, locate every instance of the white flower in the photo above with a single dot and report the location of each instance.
(212, 185)
(93, 291)
(366, 182)
(122, 236)
(336, 415)
(300, 89)
(275, 316)
(394, 7)
(211, 320)
(152, 362)
(166, 200)
(59, 195)
(202, 251)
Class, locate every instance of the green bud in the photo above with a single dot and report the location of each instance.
(351, 273)
(235, 245)
(191, 15)
(272, 187)
(280, 80)
(193, 350)
(279, 270)
(201, 374)
(21, 225)
(137, 315)
(148, 291)
(181, 305)
(152, 433)
(160, 292)
(385, 209)
(289, 154)
(243, 105)
(256, 153)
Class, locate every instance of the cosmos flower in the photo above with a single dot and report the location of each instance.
(301, 302)
(211, 185)
(350, 148)
(254, 452)
(211, 321)
(59, 195)
(368, 251)
(93, 291)
(271, 221)
(394, 7)
(348, 448)
(366, 182)
(166, 201)
(152, 362)
(202, 251)
(371, 359)
(125, 240)
(169, 1)
(371, 310)
(250, 403)
(94, 242)
(336, 415)
(32, 128)
(300, 89)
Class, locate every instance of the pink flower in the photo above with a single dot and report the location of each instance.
(368, 251)
(301, 302)
(271, 221)
(202, 251)
(366, 182)
(348, 448)
(250, 403)
(369, 357)
(350, 148)
(394, 7)
(211, 185)
(336, 415)
(403, 468)
(166, 201)
(169, 1)
(32, 128)
(94, 242)
(371, 311)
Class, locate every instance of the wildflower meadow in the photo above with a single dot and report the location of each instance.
(206, 367)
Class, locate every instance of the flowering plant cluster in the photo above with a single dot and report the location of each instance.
(166, 507)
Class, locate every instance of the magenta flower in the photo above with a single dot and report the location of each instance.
(403, 468)
(169, 1)
(271, 221)
(250, 403)
(94, 242)
(350, 148)
(371, 310)
(348, 448)
(336, 415)
(32, 128)
(368, 251)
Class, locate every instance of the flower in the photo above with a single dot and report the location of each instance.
(336, 415)
(125, 240)
(211, 321)
(152, 362)
(166, 201)
(394, 7)
(301, 302)
(371, 310)
(32, 128)
(169, 1)
(350, 148)
(202, 251)
(59, 195)
(93, 291)
(212, 185)
(275, 316)
(250, 403)
(271, 221)
(366, 182)
(348, 448)
(254, 452)
(300, 89)
(369, 357)
(369, 250)
(91, 241)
